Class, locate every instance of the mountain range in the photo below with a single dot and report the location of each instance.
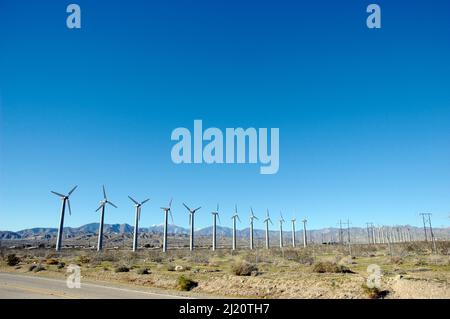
(358, 234)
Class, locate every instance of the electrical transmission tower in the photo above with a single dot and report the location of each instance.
(424, 225)
(427, 216)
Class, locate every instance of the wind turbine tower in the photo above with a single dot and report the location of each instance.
(305, 242)
(293, 220)
(167, 212)
(136, 220)
(234, 226)
(267, 220)
(214, 235)
(281, 229)
(252, 218)
(102, 206)
(65, 200)
(191, 222)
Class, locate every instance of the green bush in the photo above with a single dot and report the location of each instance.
(122, 269)
(244, 268)
(186, 284)
(61, 265)
(329, 267)
(12, 260)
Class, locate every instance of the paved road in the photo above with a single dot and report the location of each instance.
(14, 286)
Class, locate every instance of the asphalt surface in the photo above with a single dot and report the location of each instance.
(13, 286)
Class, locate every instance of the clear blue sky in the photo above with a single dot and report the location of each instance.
(364, 115)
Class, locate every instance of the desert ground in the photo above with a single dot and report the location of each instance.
(407, 270)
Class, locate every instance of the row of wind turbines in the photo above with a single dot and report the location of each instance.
(168, 212)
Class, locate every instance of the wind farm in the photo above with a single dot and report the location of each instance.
(220, 254)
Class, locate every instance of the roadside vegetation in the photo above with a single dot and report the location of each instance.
(315, 272)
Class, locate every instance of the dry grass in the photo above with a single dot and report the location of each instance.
(319, 271)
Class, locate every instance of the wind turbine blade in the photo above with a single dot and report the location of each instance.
(68, 205)
(99, 207)
(145, 201)
(270, 221)
(170, 203)
(104, 192)
(73, 189)
(186, 207)
(171, 217)
(217, 207)
(112, 204)
(235, 209)
(251, 209)
(218, 217)
(238, 218)
(58, 194)
(190, 216)
(197, 209)
(133, 200)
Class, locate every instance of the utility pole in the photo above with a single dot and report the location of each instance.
(432, 234)
(341, 239)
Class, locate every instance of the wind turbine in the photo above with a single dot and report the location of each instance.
(305, 243)
(65, 199)
(267, 220)
(214, 238)
(137, 219)
(234, 226)
(167, 211)
(252, 217)
(102, 206)
(293, 220)
(281, 230)
(191, 222)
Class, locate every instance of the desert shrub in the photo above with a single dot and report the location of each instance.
(39, 268)
(200, 258)
(329, 267)
(12, 260)
(122, 269)
(301, 256)
(32, 267)
(244, 268)
(396, 260)
(61, 265)
(51, 255)
(157, 259)
(374, 292)
(52, 261)
(186, 284)
(170, 267)
(142, 271)
(421, 262)
(83, 259)
(105, 256)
